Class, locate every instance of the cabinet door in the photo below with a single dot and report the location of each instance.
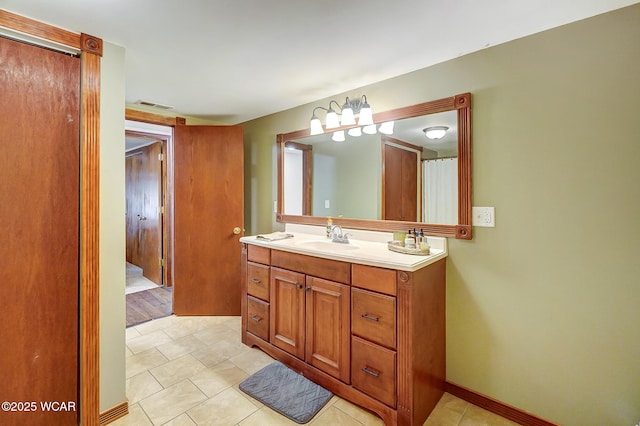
(328, 327)
(286, 329)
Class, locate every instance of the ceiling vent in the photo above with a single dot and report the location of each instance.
(154, 105)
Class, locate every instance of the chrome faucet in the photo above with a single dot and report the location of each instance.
(339, 237)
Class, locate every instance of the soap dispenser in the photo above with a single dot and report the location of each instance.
(329, 226)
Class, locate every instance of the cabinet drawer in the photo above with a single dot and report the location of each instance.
(333, 270)
(258, 280)
(258, 254)
(258, 317)
(373, 317)
(375, 279)
(373, 370)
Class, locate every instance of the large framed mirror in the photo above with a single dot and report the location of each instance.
(393, 180)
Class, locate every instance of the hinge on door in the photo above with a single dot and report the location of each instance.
(161, 209)
(160, 157)
(161, 261)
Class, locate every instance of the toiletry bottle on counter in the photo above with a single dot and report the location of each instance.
(424, 244)
(409, 241)
(329, 225)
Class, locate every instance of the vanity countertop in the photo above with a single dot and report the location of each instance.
(365, 247)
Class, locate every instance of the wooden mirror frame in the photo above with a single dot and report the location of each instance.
(462, 104)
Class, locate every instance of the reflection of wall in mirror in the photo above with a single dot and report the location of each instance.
(324, 184)
(348, 175)
(293, 181)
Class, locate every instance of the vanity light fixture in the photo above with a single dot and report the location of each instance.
(435, 132)
(348, 112)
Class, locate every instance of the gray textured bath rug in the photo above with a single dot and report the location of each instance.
(286, 392)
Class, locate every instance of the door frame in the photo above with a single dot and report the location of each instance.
(167, 177)
(90, 51)
(167, 213)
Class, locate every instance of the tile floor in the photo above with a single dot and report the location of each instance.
(186, 370)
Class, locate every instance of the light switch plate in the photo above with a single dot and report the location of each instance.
(483, 216)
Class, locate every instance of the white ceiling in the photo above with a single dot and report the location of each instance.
(234, 60)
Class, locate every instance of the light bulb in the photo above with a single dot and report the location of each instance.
(347, 115)
(366, 116)
(338, 136)
(355, 132)
(386, 128)
(370, 130)
(316, 126)
(332, 119)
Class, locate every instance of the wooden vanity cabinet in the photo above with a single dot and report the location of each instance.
(287, 317)
(310, 320)
(255, 304)
(328, 335)
(374, 336)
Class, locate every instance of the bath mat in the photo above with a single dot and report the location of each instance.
(287, 392)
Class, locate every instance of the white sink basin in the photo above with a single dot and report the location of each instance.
(327, 245)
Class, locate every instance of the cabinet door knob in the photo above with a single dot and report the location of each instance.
(369, 317)
(370, 372)
(299, 285)
(237, 230)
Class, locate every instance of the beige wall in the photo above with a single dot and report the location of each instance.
(542, 310)
(112, 228)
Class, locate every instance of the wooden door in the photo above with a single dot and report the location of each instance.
(287, 311)
(400, 184)
(328, 327)
(144, 215)
(208, 211)
(133, 206)
(39, 224)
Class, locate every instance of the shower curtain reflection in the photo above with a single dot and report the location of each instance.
(440, 189)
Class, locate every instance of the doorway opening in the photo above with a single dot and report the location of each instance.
(149, 292)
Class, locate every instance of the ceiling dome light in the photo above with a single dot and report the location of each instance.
(435, 132)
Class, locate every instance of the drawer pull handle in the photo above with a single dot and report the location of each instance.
(371, 372)
(256, 281)
(369, 317)
(256, 318)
